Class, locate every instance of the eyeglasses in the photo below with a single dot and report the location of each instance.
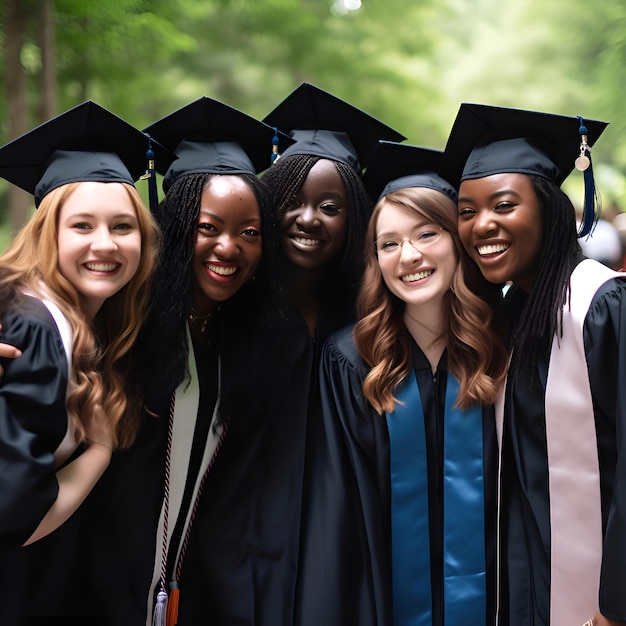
(419, 241)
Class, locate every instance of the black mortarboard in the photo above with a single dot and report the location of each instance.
(86, 143)
(325, 126)
(208, 136)
(488, 140)
(395, 166)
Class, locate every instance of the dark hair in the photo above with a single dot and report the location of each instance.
(542, 315)
(164, 349)
(342, 276)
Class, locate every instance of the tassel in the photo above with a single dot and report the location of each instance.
(160, 609)
(593, 203)
(275, 156)
(150, 176)
(172, 604)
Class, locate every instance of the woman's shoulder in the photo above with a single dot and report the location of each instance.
(340, 346)
(29, 322)
(601, 281)
(28, 309)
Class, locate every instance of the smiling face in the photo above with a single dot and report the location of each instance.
(416, 257)
(313, 229)
(228, 242)
(500, 227)
(99, 241)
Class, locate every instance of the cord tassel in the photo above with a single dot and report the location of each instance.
(592, 205)
(593, 202)
(275, 155)
(172, 604)
(150, 176)
(160, 610)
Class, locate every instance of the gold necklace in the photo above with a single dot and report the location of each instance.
(203, 320)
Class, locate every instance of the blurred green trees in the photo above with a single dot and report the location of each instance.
(409, 63)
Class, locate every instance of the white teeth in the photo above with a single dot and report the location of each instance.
(305, 241)
(492, 249)
(410, 278)
(101, 267)
(222, 271)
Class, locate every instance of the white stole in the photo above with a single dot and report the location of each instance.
(68, 445)
(574, 475)
(187, 401)
(574, 472)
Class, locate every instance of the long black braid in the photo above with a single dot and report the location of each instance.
(542, 315)
(283, 180)
(163, 348)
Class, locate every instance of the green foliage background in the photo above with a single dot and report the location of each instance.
(408, 62)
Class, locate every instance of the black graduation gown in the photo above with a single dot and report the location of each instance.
(135, 483)
(33, 420)
(346, 553)
(33, 424)
(526, 517)
(242, 563)
(96, 569)
(89, 571)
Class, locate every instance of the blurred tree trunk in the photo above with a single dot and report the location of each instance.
(15, 88)
(47, 105)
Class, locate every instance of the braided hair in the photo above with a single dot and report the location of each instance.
(284, 179)
(541, 318)
(163, 344)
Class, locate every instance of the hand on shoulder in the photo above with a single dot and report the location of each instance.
(8, 351)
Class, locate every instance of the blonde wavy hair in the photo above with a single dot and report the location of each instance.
(101, 349)
(476, 356)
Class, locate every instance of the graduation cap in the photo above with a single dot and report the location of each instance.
(395, 166)
(86, 143)
(325, 126)
(487, 140)
(208, 136)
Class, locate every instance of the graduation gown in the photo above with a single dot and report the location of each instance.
(33, 420)
(125, 541)
(35, 441)
(242, 562)
(346, 563)
(102, 566)
(197, 432)
(563, 519)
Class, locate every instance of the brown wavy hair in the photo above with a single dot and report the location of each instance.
(476, 356)
(101, 349)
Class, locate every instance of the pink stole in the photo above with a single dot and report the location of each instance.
(574, 474)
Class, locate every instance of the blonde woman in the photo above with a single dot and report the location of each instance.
(74, 287)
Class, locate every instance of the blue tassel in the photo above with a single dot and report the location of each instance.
(592, 206)
(275, 156)
(160, 609)
(592, 203)
(150, 175)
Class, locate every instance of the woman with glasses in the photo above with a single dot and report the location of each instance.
(402, 517)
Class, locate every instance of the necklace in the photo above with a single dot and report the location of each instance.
(202, 320)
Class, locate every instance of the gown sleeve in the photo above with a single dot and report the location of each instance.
(344, 561)
(605, 347)
(33, 422)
